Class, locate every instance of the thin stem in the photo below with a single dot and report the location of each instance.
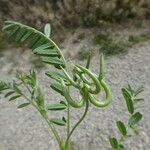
(54, 131)
(80, 120)
(68, 118)
(68, 125)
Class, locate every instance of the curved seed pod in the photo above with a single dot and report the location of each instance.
(73, 103)
(101, 69)
(70, 79)
(86, 80)
(79, 82)
(107, 99)
(93, 77)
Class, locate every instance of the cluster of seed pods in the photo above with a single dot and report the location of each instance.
(90, 86)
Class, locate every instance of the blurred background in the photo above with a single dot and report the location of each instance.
(118, 28)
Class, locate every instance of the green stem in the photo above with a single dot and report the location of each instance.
(54, 131)
(68, 125)
(80, 120)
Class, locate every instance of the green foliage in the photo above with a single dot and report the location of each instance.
(121, 128)
(37, 41)
(101, 38)
(56, 107)
(134, 119)
(47, 30)
(133, 39)
(114, 143)
(130, 96)
(81, 36)
(139, 38)
(112, 48)
(58, 121)
(50, 53)
(23, 105)
(129, 101)
(108, 45)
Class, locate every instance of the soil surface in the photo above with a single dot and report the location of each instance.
(23, 129)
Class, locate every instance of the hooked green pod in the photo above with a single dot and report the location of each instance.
(101, 69)
(107, 99)
(94, 78)
(73, 103)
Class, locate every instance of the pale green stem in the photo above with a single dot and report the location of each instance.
(80, 120)
(68, 125)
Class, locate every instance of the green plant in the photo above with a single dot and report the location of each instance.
(26, 86)
(125, 130)
(137, 39)
(108, 45)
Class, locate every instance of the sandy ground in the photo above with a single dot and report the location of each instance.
(24, 130)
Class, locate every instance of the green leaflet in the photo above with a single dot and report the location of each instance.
(56, 76)
(7, 27)
(42, 47)
(20, 34)
(41, 41)
(138, 99)
(134, 119)
(121, 147)
(32, 44)
(14, 32)
(16, 89)
(53, 61)
(14, 97)
(23, 105)
(58, 121)
(63, 102)
(113, 142)
(129, 101)
(26, 35)
(56, 107)
(47, 52)
(138, 90)
(129, 88)
(9, 93)
(3, 86)
(57, 87)
(121, 128)
(47, 30)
